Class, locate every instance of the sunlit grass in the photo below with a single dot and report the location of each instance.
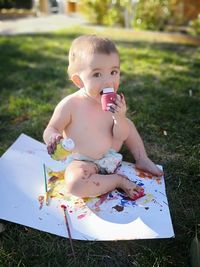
(161, 83)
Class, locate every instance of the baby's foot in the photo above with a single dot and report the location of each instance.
(130, 188)
(147, 165)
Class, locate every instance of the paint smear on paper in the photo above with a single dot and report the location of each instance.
(101, 200)
(143, 174)
(81, 216)
(81, 208)
(118, 208)
(148, 198)
(41, 201)
(158, 180)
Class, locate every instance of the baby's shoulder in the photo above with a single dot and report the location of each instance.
(69, 101)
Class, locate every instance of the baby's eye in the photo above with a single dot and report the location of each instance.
(97, 74)
(114, 72)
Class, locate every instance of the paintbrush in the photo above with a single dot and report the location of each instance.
(46, 189)
(68, 229)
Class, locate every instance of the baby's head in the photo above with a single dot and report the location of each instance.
(88, 45)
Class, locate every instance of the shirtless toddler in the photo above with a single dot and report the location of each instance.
(98, 135)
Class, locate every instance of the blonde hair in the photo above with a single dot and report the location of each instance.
(88, 44)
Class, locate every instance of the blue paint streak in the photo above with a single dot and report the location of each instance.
(110, 195)
(126, 203)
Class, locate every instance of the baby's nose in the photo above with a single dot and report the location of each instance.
(108, 83)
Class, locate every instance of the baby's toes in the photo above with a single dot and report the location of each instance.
(156, 171)
(138, 192)
(159, 172)
(138, 188)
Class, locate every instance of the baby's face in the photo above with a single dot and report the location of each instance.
(99, 71)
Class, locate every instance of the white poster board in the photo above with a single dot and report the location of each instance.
(110, 217)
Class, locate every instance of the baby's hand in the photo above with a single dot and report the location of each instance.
(53, 141)
(119, 106)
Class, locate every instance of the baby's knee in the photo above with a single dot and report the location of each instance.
(77, 178)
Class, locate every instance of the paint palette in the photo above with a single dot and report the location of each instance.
(112, 216)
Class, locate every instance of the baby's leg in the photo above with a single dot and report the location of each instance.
(82, 180)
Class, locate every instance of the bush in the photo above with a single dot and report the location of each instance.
(144, 14)
(194, 26)
(152, 15)
(95, 10)
(115, 16)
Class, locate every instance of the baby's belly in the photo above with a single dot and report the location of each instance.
(94, 146)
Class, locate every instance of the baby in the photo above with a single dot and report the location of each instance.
(98, 135)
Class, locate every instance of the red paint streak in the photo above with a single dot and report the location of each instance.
(41, 201)
(138, 195)
(63, 206)
(81, 216)
(101, 200)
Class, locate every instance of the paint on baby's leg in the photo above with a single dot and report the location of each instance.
(96, 183)
(86, 174)
(96, 169)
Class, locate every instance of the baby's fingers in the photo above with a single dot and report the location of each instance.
(118, 102)
(50, 148)
(58, 138)
(123, 99)
(53, 141)
(111, 108)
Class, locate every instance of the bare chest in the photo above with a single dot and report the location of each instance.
(91, 129)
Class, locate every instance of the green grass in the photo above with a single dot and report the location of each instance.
(156, 80)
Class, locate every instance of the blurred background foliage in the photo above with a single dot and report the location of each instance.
(16, 4)
(194, 26)
(144, 14)
(154, 15)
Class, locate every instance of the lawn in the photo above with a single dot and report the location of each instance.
(161, 83)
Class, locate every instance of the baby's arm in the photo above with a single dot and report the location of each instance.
(58, 122)
(136, 147)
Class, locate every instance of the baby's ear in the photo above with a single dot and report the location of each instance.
(77, 80)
